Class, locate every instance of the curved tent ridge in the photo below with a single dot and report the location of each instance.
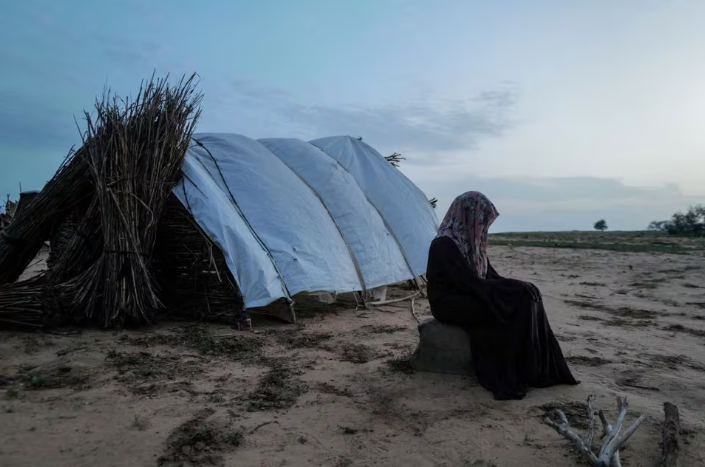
(403, 206)
(325, 230)
(373, 247)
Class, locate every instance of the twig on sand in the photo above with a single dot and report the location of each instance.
(252, 431)
(671, 441)
(395, 300)
(413, 311)
(608, 455)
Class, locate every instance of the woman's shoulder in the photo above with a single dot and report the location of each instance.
(444, 244)
(443, 240)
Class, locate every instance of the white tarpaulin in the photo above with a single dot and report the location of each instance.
(404, 207)
(290, 217)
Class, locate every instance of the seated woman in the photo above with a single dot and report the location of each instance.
(512, 344)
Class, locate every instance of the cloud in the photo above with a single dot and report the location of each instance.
(440, 126)
(563, 203)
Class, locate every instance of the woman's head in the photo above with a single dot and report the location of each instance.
(467, 223)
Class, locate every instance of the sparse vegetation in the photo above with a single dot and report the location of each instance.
(199, 338)
(576, 412)
(299, 339)
(200, 441)
(395, 159)
(278, 389)
(689, 223)
(401, 364)
(382, 329)
(54, 377)
(685, 330)
(626, 242)
(357, 353)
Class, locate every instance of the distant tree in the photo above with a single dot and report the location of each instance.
(690, 223)
(601, 225)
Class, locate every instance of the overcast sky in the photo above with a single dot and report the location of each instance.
(562, 112)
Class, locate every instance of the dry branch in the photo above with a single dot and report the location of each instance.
(608, 454)
(671, 441)
(30, 228)
(134, 151)
(102, 211)
(395, 159)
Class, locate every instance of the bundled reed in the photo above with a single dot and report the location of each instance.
(61, 240)
(193, 276)
(31, 227)
(124, 249)
(28, 305)
(134, 151)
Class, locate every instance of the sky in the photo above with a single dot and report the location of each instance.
(561, 112)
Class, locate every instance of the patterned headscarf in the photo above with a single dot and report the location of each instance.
(467, 223)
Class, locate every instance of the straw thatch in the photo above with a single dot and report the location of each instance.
(134, 151)
(193, 276)
(123, 248)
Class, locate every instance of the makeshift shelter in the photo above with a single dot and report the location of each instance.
(12, 208)
(331, 215)
(147, 219)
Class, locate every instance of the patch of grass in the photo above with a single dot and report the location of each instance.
(349, 430)
(200, 339)
(216, 398)
(588, 361)
(357, 353)
(673, 362)
(382, 328)
(151, 389)
(593, 284)
(575, 412)
(138, 367)
(685, 330)
(234, 438)
(478, 463)
(13, 393)
(200, 441)
(278, 389)
(626, 323)
(674, 249)
(55, 377)
(303, 340)
(401, 364)
(621, 312)
(637, 242)
(649, 285)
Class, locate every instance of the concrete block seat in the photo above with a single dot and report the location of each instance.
(442, 349)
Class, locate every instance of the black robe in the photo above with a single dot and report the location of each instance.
(513, 346)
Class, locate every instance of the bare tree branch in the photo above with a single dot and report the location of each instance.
(608, 455)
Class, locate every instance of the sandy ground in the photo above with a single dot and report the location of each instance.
(333, 391)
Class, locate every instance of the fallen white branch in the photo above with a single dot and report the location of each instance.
(608, 454)
(395, 300)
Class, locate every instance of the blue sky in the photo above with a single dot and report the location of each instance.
(561, 112)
